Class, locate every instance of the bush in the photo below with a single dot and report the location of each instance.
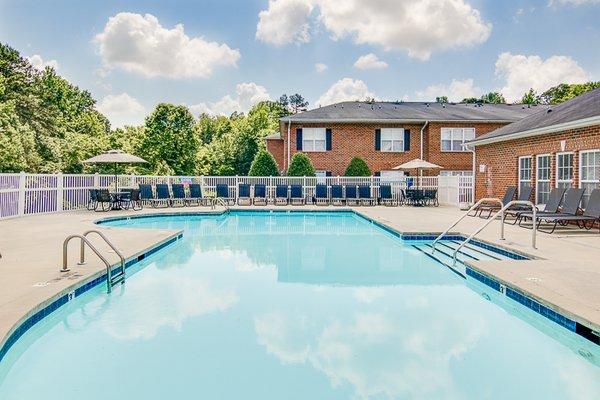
(301, 166)
(264, 164)
(357, 167)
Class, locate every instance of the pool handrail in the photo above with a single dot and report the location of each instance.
(112, 246)
(474, 206)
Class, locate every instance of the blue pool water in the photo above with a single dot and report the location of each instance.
(295, 306)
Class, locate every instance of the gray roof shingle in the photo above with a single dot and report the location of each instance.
(356, 111)
(581, 107)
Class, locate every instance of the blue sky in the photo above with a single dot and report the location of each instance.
(227, 54)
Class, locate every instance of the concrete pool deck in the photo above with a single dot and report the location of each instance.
(564, 275)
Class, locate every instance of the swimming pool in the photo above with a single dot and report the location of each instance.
(295, 306)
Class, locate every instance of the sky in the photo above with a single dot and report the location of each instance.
(220, 56)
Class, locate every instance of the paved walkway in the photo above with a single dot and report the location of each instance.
(566, 273)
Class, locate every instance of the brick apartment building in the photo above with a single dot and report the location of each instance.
(556, 147)
(387, 134)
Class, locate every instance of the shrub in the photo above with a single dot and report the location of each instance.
(264, 164)
(357, 167)
(301, 166)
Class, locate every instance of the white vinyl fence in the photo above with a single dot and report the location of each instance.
(26, 194)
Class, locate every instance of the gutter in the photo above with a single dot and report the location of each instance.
(288, 142)
(580, 123)
(399, 121)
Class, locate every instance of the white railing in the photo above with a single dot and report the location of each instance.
(26, 194)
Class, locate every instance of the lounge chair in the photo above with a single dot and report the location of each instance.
(552, 205)
(260, 195)
(162, 196)
(385, 196)
(103, 200)
(351, 195)
(244, 194)
(570, 208)
(321, 197)
(297, 195)
(179, 197)
(223, 193)
(281, 195)
(93, 200)
(590, 216)
(508, 196)
(364, 195)
(195, 197)
(337, 195)
(146, 193)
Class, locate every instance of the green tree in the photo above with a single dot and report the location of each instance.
(357, 167)
(530, 97)
(293, 103)
(441, 99)
(264, 164)
(493, 98)
(170, 137)
(565, 91)
(300, 165)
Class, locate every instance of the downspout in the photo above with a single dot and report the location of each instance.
(288, 142)
(422, 145)
(473, 169)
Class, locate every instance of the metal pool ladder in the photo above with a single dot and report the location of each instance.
(220, 201)
(111, 279)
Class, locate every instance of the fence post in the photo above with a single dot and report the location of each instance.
(132, 181)
(237, 185)
(59, 192)
(96, 180)
(21, 201)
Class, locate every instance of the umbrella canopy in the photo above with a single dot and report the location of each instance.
(417, 163)
(115, 157)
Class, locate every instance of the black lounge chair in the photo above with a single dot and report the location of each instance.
(93, 200)
(195, 197)
(260, 195)
(590, 216)
(179, 197)
(570, 208)
(351, 195)
(297, 195)
(223, 193)
(508, 196)
(337, 195)
(146, 193)
(281, 195)
(364, 195)
(162, 196)
(321, 197)
(552, 205)
(385, 196)
(103, 200)
(244, 194)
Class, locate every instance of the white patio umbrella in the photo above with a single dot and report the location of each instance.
(417, 164)
(115, 157)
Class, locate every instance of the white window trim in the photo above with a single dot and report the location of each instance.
(557, 181)
(530, 180)
(304, 140)
(537, 169)
(463, 148)
(401, 140)
(581, 181)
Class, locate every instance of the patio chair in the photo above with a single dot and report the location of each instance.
(132, 201)
(337, 195)
(296, 195)
(179, 197)
(260, 195)
(570, 207)
(430, 197)
(321, 197)
(364, 195)
(103, 200)
(162, 196)
(244, 194)
(93, 200)
(385, 196)
(415, 197)
(351, 195)
(195, 195)
(281, 195)
(146, 193)
(552, 205)
(508, 196)
(590, 216)
(223, 193)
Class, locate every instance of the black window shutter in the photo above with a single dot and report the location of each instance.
(298, 138)
(327, 173)
(377, 173)
(328, 139)
(378, 139)
(406, 139)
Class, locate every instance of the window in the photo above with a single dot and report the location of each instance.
(392, 139)
(313, 139)
(542, 190)
(524, 173)
(564, 170)
(456, 173)
(453, 139)
(589, 175)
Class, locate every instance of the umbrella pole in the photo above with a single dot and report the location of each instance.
(116, 180)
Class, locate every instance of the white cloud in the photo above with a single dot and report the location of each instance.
(139, 43)
(370, 61)
(521, 73)
(38, 62)
(121, 110)
(320, 67)
(573, 2)
(246, 95)
(456, 91)
(346, 89)
(284, 22)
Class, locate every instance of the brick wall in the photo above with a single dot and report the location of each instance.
(501, 159)
(275, 147)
